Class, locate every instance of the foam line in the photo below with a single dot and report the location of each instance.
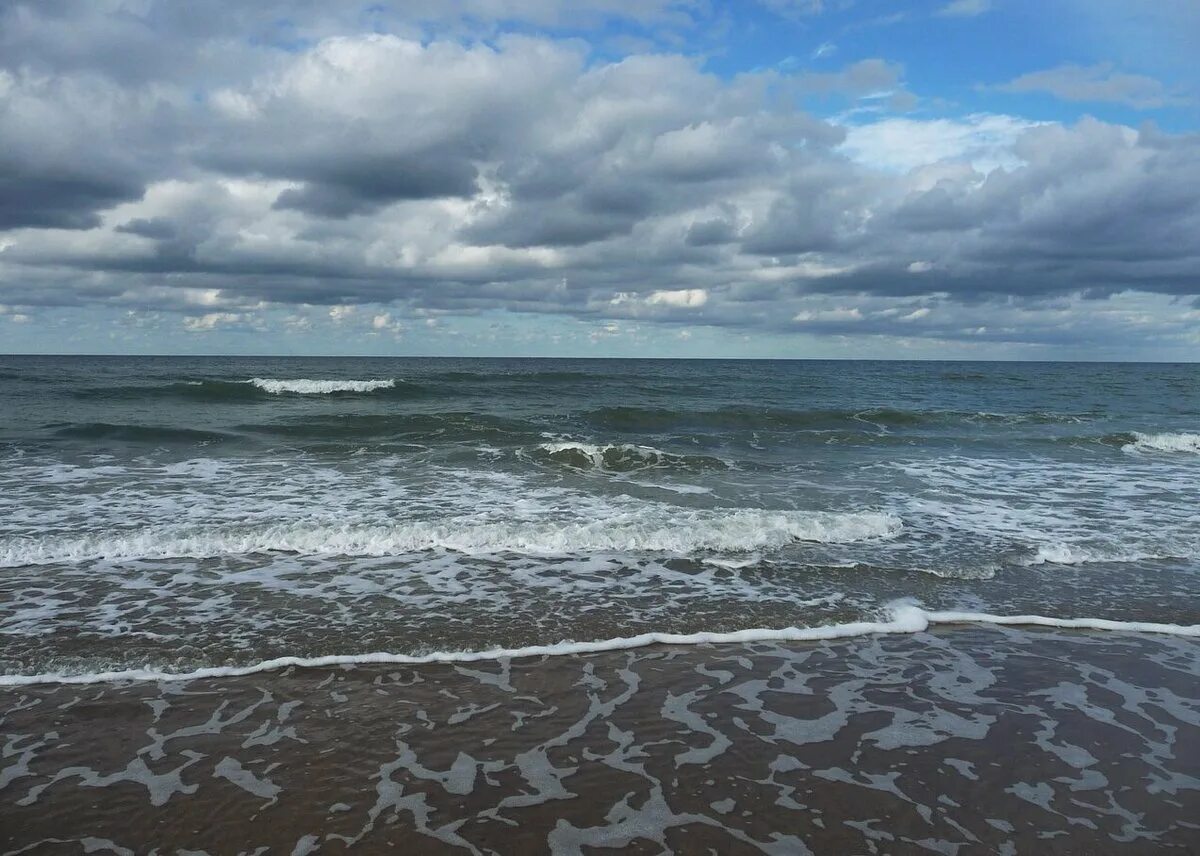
(905, 618)
(1065, 623)
(656, 529)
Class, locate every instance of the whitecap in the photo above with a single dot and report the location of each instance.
(655, 528)
(1164, 442)
(306, 386)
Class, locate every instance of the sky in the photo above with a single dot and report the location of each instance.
(951, 179)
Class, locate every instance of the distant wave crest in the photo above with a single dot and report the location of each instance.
(306, 386)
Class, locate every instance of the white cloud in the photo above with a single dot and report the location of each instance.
(985, 141)
(965, 8)
(210, 321)
(839, 314)
(688, 298)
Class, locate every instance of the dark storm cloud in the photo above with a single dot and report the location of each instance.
(266, 158)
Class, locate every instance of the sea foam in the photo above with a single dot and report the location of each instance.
(305, 386)
(1165, 442)
(1078, 554)
(623, 457)
(653, 529)
(902, 617)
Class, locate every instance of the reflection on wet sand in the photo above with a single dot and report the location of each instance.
(964, 740)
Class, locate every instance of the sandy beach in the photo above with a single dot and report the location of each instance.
(961, 740)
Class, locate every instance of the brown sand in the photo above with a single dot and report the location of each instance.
(968, 740)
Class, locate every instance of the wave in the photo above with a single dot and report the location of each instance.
(651, 419)
(624, 457)
(252, 390)
(445, 427)
(135, 433)
(900, 618)
(1164, 442)
(510, 375)
(677, 531)
(1079, 554)
(306, 386)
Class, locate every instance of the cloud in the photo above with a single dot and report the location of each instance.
(985, 141)
(364, 183)
(965, 8)
(210, 321)
(1097, 83)
(687, 298)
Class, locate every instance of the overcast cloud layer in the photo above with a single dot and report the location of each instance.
(612, 177)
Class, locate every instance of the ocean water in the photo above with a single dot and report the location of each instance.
(169, 515)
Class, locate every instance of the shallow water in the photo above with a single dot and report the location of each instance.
(181, 514)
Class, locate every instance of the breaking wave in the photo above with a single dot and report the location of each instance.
(1165, 442)
(623, 457)
(306, 386)
(652, 530)
(1082, 554)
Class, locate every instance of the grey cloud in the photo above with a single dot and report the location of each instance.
(58, 200)
(1097, 83)
(66, 155)
(522, 175)
(341, 189)
(155, 228)
(865, 76)
(706, 233)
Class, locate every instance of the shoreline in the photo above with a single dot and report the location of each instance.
(904, 619)
(966, 739)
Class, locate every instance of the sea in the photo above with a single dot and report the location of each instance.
(239, 525)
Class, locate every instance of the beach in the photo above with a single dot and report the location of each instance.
(969, 739)
(286, 605)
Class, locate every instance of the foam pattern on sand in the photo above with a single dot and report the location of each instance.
(979, 740)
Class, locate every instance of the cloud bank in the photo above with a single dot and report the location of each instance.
(156, 158)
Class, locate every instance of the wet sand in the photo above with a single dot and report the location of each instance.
(961, 740)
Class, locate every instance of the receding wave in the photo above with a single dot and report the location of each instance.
(623, 457)
(653, 530)
(1164, 442)
(307, 386)
(899, 618)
